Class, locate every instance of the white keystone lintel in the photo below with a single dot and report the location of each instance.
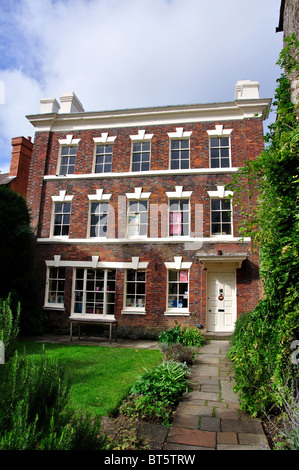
(219, 131)
(179, 193)
(141, 136)
(138, 194)
(62, 197)
(99, 196)
(220, 193)
(69, 140)
(178, 264)
(179, 134)
(104, 139)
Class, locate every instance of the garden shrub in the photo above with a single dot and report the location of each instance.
(9, 326)
(34, 411)
(187, 336)
(179, 353)
(156, 392)
(261, 346)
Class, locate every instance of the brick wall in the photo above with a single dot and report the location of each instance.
(246, 144)
(20, 164)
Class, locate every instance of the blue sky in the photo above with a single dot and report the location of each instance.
(130, 53)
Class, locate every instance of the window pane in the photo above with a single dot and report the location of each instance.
(173, 275)
(175, 164)
(224, 153)
(215, 163)
(184, 164)
(214, 153)
(224, 141)
(73, 150)
(214, 142)
(145, 166)
(225, 204)
(136, 146)
(146, 146)
(225, 163)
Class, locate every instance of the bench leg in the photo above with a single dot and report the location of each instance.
(71, 332)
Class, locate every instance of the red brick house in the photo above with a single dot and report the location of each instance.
(133, 218)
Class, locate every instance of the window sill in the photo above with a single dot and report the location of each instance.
(54, 307)
(177, 312)
(133, 311)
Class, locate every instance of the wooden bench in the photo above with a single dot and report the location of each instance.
(93, 321)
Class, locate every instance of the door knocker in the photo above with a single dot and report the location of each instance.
(220, 297)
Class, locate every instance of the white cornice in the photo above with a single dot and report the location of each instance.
(239, 109)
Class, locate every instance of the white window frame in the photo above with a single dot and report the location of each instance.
(99, 197)
(134, 309)
(219, 133)
(141, 137)
(68, 142)
(221, 194)
(180, 195)
(84, 291)
(104, 140)
(179, 135)
(62, 198)
(137, 196)
(54, 305)
(179, 266)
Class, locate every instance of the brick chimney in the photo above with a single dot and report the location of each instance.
(20, 164)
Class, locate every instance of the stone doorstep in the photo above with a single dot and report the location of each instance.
(192, 437)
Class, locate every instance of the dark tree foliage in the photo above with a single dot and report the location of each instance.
(18, 258)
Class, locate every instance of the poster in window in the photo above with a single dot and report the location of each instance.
(183, 276)
(175, 223)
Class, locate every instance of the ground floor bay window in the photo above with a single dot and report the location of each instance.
(94, 292)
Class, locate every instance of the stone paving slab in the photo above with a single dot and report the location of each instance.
(209, 416)
(180, 435)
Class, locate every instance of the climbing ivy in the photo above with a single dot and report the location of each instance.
(261, 347)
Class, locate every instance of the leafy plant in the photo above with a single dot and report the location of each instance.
(261, 343)
(9, 326)
(179, 353)
(187, 336)
(155, 392)
(34, 412)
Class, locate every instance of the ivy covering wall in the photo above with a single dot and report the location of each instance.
(264, 339)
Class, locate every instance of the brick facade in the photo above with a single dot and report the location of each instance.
(198, 254)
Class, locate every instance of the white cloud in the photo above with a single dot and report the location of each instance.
(131, 53)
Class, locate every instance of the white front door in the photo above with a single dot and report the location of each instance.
(221, 301)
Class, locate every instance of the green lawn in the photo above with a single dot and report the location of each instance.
(100, 377)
